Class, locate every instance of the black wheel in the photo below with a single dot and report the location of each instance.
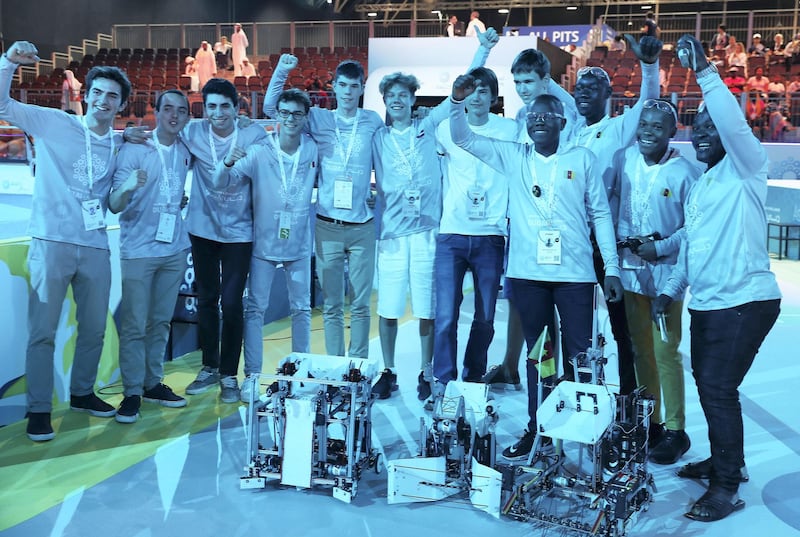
(377, 464)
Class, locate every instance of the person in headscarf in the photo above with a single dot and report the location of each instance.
(71, 93)
(248, 69)
(191, 71)
(240, 44)
(205, 64)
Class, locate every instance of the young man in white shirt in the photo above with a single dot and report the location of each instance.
(148, 192)
(345, 230)
(553, 196)
(280, 172)
(75, 161)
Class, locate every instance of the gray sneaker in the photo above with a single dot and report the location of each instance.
(206, 378)
(229, 389)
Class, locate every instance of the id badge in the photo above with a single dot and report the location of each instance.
(343, 193)
(631, 260)
(413, 202)
(477, 207)
(548, 249)
(166, 227)
(92, 215)
(285, 225)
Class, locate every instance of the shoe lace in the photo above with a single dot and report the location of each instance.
(228, 382)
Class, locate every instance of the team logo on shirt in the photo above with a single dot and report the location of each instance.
(570, 175)
(599, 134)
(667, 193)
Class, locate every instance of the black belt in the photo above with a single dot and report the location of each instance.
(341, 222)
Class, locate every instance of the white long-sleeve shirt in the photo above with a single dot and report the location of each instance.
(724, 257)
(610, 134)
(571, 196)
(64, 147)
(651, 200)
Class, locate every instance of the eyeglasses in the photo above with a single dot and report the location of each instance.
(543, 116)
(597, 72)
(297, 114)
(661, 105)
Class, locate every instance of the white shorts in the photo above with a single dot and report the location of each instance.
(407, 262)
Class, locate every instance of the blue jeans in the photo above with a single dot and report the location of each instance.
(534, 301)
(724, 344)
(221, 274)
(483, 255)
(297, 275)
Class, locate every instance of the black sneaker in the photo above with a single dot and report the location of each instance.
(671, 448)
(702, 470)
(423, 387)
(387, 383)
(128, 411)
(498, 379)
(164, 396)
(39, 428)
(91, 404)
(656, 435)
(520, 450)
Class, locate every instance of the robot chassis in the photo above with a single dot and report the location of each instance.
(609, 431)
(313, 426)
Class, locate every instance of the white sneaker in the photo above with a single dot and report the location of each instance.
(250, 386)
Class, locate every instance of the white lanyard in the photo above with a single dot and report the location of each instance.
(409, 162)
(295, 163)
(351, 143)
(89, 160)
(545, 209)
(165, 172)
(640, 200)
(213, 147)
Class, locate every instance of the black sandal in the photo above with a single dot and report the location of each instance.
(702, 470)
(715, 505)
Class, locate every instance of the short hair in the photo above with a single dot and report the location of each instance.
(650, 15)
(531, 60)
(220, 86)
(294, 95)
(350, 69)
(552, 100)
(110, 73)
(173, 92)
(409, 82)
(487, 78)
(722, 27)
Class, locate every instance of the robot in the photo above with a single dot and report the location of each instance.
(313, 426)
(603, 489)
(456, 455)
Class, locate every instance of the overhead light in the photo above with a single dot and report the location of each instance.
(436, 12)
(646, 6)
(572, 8)
(372, 14)
(502, 11)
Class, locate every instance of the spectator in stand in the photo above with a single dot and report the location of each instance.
(731, 48)
(222, 52)
(455, 28)
(248, 69)
(191, 71)
(757, 82)
(792, 51)
(776, 88)
(71, 93)
(317, 92)
(205, 64)
(475, 23)
(794, 85)
(618, 43)
(720, 40)
(756, 108)
(777, 53)
(239, 44)
(738, 58)
(735, 81)
(757, 48)
(650, 26)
